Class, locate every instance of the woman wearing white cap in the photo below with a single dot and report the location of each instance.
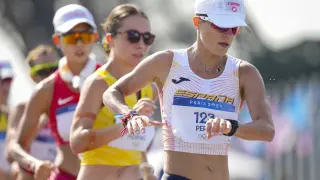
(201, 90)
(58, 95)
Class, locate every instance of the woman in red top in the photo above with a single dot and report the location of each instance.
(58, 95)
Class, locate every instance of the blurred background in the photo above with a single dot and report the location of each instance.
(284, 45)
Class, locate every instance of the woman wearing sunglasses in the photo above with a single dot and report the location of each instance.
(202, 92)
(58, 95)
(43, 61)
(95, 131)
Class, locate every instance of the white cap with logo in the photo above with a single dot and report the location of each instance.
(71, 15)
(223, 13)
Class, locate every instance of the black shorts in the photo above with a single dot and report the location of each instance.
(167, 176)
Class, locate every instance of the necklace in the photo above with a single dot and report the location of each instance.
(215, 69)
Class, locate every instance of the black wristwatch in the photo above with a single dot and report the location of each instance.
(234, 127)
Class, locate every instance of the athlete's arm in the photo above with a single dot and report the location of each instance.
(13, 122)
(153, 68)
(38, 104)
(83, 137)
(253, 92)
(14, 119)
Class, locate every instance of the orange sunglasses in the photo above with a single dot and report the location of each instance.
(73, 37)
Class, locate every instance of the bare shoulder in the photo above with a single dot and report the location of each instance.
(161, 57)
(159, 65)
(248, 71)
(251, 81)
(42, 95)
(92, 90)
(46, 85)
(95, 81)
(247, 68)
(91, 94)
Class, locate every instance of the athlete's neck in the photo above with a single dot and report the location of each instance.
(116, 68)
(76, 66)
(201, 54)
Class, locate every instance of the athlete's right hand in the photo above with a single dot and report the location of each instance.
(43, 170)
(138, 124)
(145, 106)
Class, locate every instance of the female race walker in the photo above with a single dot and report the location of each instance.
(58, 95)
(6, 78)
(43, 61)
(95, 131)
(201, 90)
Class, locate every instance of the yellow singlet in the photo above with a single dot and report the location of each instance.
(107, 155)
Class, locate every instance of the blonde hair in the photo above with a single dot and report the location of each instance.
(35, 53)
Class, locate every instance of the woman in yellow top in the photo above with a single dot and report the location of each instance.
(95, 131)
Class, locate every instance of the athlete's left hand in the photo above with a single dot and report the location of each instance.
(138, 124)
(145, 106)
(217, 126)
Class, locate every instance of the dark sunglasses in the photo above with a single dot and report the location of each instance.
(134, 36)
(234, 30)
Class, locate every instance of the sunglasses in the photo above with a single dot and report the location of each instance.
(72, 38)
(234, 30)
(134, 36)
(44, 70)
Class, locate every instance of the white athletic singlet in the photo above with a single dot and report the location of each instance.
(188, 100)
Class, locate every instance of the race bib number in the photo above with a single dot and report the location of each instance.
(64, 117)
(189, 118)
(134, 142)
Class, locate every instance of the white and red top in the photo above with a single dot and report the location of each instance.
(63, 104)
